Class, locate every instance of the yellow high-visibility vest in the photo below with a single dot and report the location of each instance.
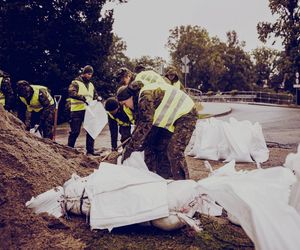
(2, 97)
(175, 104)
(88, 93)
(128, 112)
(34, 104)
(177, 84)
(149, 76)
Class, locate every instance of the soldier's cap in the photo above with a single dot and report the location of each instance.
(171, 71)
(124, 93)
(22, 84)
(121, 73)
(139, 68)
(88, 69)
(111, 104)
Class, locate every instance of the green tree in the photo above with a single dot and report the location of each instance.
(47, 42)
(266, 65)
(287, 27)
(147, 61)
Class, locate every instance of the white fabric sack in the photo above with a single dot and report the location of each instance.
(238, 135)
(258, 200)
(35, 131)
(121, 195)
(48, 202)
(136, 160)
(292, 162)
(95, 118)
(258, 147)
(207, 139)
(74, 190)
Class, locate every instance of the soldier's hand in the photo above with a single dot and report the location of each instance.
(126, 154)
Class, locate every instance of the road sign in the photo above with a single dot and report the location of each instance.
(185, 69)
(185, 60)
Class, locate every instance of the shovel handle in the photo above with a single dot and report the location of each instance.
(122, 144)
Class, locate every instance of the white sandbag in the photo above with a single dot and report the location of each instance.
(239, 136)
(75, 197)
(35, 131)
(183, 202)
(136, 160)
(258, 200)
(48, 202)
(121, 195)
(292, 162)
(233, 140)
(258, 147)
(95, 118)
(207, 139)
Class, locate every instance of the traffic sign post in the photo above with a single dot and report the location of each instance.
(297, 86)
(185, 68)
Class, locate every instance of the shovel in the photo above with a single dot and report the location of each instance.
(118, 154)
(57, 99)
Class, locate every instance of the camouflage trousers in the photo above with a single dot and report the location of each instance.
(155, 150)
(46, 120)
(184, 128)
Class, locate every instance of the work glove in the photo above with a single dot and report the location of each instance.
(126, 154)
(99, 99)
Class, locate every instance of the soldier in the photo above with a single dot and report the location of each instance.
(81, 92)
(124, 76)
(6, 92)
(37, 100)
(120, 119)
(173, 77)
(165, 115)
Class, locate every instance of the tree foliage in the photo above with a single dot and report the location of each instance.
(287, 27)
(47, 42)
(214, 64)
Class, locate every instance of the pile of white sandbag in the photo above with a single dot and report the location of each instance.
(234, 140)
(258, 200)
(292, 162)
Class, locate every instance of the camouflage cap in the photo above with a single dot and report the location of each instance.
(124, 93)
(121, 73)
(88, 69)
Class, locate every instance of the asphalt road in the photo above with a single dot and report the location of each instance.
(279, 124)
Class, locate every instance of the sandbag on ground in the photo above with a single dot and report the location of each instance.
(234, 140)
(258, 200)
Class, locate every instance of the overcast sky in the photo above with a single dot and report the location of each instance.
(144, 24)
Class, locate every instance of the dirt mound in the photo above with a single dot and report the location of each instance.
(28, 167)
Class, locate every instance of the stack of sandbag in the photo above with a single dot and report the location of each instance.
(292, 162)
(234, 140)
(258, 200)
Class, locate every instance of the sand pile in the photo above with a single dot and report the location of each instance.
(28, 167)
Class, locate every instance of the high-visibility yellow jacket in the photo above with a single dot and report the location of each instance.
(128, 112)
(149, 76)
(177, 84)
(2, 97)
(87, 92)
(174, 104)
(34, 104)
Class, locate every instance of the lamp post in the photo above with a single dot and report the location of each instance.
(297, 86)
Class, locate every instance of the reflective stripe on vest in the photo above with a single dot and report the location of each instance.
(2, 97)
(88, 93)
(128, 113)
(175, 104)
(35, 104)
(149, 76)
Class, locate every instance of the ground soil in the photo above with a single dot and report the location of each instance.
(30, 166)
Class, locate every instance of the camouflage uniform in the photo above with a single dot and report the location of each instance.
(45, 117)
(7, 91)
(114, 127)
(157, 141)
(77, 117)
